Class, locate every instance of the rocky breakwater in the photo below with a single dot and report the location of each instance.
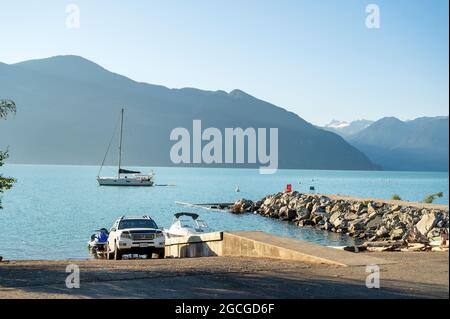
(370, 221)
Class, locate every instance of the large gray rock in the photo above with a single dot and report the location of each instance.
(335, 216)
(318, 208)
(427, 223)
(351, 216)
(397, 233)
(338, 222)
(382, 232)
(371, 209)
(286, 213)
(336, 208)
(434, 234)
(303, 213)
(375, 222)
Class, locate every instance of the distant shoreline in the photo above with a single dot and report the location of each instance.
(223, 166)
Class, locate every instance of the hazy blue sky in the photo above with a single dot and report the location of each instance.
(316, 58)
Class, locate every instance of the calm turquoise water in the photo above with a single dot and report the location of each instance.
(52, 210)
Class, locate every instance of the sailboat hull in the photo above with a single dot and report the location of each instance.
(108, 181)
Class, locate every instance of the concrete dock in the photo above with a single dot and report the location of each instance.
(263, 245)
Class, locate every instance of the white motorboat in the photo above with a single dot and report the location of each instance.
(187, 224)
(124, 177)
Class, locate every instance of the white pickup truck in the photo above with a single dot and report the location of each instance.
(135, 235)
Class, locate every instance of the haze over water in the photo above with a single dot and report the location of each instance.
(52, 210)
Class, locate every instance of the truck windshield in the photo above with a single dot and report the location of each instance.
(137, 223)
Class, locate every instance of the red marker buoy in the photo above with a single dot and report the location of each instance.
(288, 188)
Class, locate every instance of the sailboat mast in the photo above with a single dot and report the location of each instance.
(120, 143)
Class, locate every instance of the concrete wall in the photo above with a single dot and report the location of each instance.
(195, 246)
(262, 245)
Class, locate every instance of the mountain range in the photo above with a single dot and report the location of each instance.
(417, 145)
(67, 107)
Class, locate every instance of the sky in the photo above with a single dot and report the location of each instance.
(315, 58)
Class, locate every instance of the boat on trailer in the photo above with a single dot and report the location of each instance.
(124, 177)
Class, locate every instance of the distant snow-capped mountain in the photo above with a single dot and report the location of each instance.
(418, 145)
(346, 129)
(335, 124)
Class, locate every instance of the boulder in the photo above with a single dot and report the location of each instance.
(286, 213)
(371, 209)
(303, 213)
(358, 207)
(337, 222)
(434, 234)
(310, 206)
(316, 219)
(282, 212)
(303, 223)
(257, 205)
(350, 216)
(308, 223)
(236, 209)
(243, 205)
(336, 208)
(397, 234)
(356, 226)
(374, 222)
(413, 235)
(318, 209)
(443, 223)
(382, 232)
(325, 215)
(335, 216)
(427, 223)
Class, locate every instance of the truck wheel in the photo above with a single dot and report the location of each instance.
(117, 254)
(161, 253)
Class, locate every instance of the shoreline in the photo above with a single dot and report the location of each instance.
(220, 166)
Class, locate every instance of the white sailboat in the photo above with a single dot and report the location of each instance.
(124, 177)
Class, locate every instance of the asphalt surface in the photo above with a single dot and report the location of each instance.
(414, 275)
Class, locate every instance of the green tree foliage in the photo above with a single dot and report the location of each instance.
(6, 106)
(396, 197)
(430, 198)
